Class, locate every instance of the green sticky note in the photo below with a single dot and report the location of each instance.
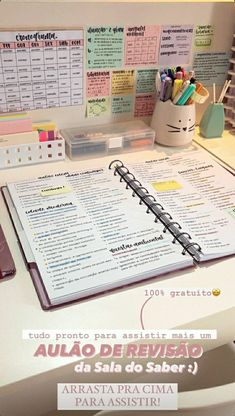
(105, 47)
(97, 107)
(146, 81)
(122, 104)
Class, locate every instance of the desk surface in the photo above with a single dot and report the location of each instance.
(20, 308)
(223, 148)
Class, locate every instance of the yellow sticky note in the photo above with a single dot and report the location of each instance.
(166, 186)
(123, 82)
(44, 125)
(55, 191)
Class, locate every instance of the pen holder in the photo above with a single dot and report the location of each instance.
(174, 124)
(212, 122)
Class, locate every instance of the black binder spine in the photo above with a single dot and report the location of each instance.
(154, 207)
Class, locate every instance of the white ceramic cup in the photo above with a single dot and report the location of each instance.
(174, 124)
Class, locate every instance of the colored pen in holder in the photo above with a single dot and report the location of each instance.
(174, 124)
(212, 122)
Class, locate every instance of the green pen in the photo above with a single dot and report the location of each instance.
(185, 96)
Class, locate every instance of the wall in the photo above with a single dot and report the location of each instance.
(73, 15)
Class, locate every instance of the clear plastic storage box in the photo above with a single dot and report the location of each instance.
(102, 140)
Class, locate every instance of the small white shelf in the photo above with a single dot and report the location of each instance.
(33, 153)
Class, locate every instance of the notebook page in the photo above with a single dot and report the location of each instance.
(87, 232)
(199, 194)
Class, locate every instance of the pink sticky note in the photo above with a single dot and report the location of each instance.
(43, 136)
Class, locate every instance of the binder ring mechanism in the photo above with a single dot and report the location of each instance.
(156, 208)
(187, 247)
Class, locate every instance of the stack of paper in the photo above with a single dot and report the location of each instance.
(15, 123)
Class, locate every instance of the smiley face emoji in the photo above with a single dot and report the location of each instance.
(216, 292)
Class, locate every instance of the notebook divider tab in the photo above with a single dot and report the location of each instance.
(157, 210)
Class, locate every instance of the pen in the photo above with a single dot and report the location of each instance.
(191, 74)
(168, 89)
(181, 91)
(158, 82)
(179, 75)
(171, 74)
(199, 86)
(176, 87)
(163, 89)
(186, 94)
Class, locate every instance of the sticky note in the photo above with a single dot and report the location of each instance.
(51, 134)
(43, 136)
(55, 191)
(44, 125)
(166, 186)
(19, 138)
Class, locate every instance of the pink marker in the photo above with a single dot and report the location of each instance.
(179, 75)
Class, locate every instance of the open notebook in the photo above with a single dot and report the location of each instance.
(89, 231)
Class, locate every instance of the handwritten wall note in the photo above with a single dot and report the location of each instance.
(175, 45)
(211, 67)
(146, 80)
(123, 82)
(105, 47)
(98, 83)
(141, 45)
(40, 69)
(97, 107)
(144, 105)
(123, 104)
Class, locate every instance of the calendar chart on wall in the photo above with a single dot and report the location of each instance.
(41, 69)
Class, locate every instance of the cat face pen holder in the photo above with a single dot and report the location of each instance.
(174, 124)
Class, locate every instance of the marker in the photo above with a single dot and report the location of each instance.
(168, 89)
(163, 89)
(158, 82)
(176, 87)
(199, 86)
(189, 91)
(171, 74)
(191, 74)
(179, 75)
(181, 91)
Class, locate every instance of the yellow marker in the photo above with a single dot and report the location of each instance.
(176, 87)
(55, 191)
(166, 186)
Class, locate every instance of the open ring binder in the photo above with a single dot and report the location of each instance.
(157, 209)
(76, 246)
(174, 223)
